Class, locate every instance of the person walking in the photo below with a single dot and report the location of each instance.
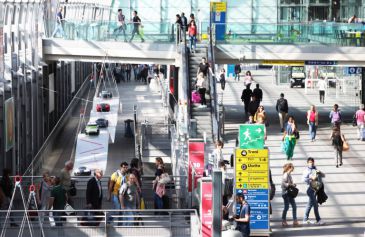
(246, 98)
(128, 69)
(43, 193)
(248, 79)
(192, 34)
(58, 200)
(335, 116)
(312, 176)
(337, 142)
(360, 121)
(222, 78)
(94, 196)
(257, 92)
(202, 88)
(184, 22)
(66, 182)
(204, 67)
(289, 138)
(59, 24)
(121, 25)
(237, 71)
(253, 105)
(322, 85)
(159, 189)
(287, 182)
(282, 108)
(128, 196)
(136, 21)
(312, 121)
(243, 218)
(260, 115)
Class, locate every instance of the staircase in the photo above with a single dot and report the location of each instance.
(201, 115)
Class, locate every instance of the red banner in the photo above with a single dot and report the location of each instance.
(196, 160)
(206, 212)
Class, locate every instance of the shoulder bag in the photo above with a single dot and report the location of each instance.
(292, 191)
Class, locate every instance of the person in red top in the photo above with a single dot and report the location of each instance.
(192, 33)
(312, 121)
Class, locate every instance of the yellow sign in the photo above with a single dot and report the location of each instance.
(283, 62)
(252, 185)
(252, 179)
(218, 6)
(251, 174)
(251, 153)
(252, 167)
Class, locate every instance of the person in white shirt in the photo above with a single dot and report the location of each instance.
(322, 89)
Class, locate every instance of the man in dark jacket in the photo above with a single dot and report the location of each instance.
(94, 195)
(282, 109)
(253, 105)
(257, 92)
(246, 97)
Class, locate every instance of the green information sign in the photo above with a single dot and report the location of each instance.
(252, 136)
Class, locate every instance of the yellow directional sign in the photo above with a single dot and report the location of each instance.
(283, 62)
(246, 166)
(252, 185)
(251, 153)
(252, 179)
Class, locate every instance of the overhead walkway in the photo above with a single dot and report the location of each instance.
(344, 211)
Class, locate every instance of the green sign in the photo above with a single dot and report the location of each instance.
(252, 136)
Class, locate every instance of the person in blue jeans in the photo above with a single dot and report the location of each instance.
(286, 182)
(312, 176)
(243, 216)
(312, 121)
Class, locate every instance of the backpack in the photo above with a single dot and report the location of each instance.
(336, 116)
(283, 105)
(119, 175)
(129, 197)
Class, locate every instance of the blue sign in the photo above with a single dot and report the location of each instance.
(321, 63)
(354, 70)
(258, 199)
(218, 11)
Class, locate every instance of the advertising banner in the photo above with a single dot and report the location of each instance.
(206, 211)
(196, 160)
(218, 11)
(9, 123)
(252, 179)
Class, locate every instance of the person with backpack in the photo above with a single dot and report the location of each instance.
(128, 197)
(282, 108)
(313, 178)
(360, 121)
(312, 121)
(337, 142)
(136, 26)
(286, 183)
(117, 179)
(237, 71)
(335, 116)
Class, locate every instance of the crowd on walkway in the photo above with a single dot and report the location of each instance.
(124, 189)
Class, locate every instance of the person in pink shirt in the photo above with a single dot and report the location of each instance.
(360, 121)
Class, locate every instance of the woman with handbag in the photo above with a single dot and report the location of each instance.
(338, 143)
(289, 193)
(290, 137)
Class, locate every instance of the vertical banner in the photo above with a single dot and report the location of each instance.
(206, 212)
(252, 175)
(9, 123)
(218, 11)
(196, 160)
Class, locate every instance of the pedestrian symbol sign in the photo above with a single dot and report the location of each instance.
(251, 136)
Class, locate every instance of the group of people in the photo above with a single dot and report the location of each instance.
(189, 27)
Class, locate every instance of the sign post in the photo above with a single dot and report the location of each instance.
(206, 212)
(252, 176)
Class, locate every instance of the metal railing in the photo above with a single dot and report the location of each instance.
(131, 222)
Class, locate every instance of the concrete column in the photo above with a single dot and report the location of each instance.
(217, 203)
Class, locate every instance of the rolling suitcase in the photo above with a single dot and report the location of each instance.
(195, 97)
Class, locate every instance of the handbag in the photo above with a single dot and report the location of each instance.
(345, 146)
(69, 210)
(296, 134)
(292, 191)
(72, 191)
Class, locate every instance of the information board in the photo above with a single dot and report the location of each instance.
(196, 160)
(251, 136)
(218, 11)
(206, 211)
(252, 179)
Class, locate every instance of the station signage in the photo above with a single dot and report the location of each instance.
(252, 180)
(283, 62)
(251, 136)
(206, 217)
(354, 70)
(321, 63)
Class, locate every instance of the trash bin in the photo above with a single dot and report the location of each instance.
(127, 128)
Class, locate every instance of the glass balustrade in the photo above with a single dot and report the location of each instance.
(105, 30)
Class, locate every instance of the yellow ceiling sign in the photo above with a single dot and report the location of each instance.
(283, 62)
(218, 6)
